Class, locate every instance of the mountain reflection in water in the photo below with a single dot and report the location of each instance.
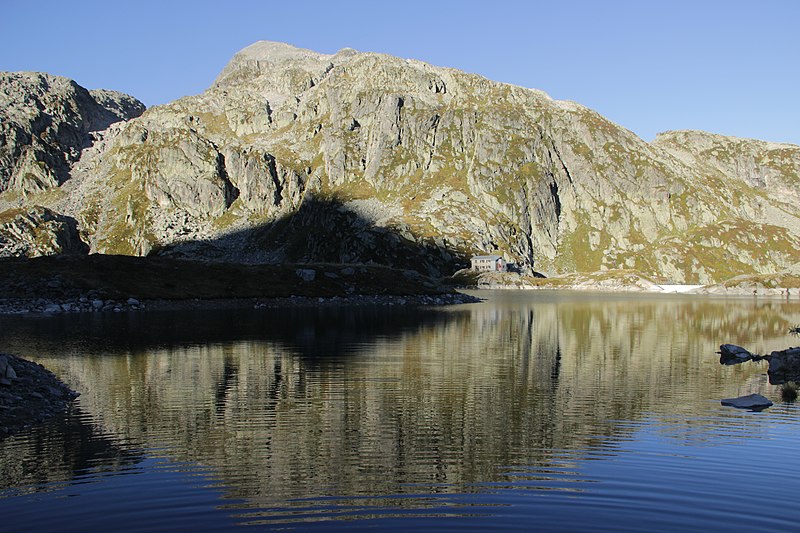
(308, 414)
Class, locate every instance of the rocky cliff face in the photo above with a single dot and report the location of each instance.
(295, 155)
(38, 231)
(45, 122)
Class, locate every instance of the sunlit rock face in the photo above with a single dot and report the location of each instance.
(38, 231)
(421, 166)
(45, 122)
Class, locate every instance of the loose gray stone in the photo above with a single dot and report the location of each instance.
(306, 274)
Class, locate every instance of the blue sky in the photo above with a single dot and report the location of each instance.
(729, 67)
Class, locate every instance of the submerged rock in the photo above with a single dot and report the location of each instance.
(751, 401)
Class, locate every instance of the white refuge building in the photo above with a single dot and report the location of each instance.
(489, 263)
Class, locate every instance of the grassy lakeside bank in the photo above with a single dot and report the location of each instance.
(159, 278)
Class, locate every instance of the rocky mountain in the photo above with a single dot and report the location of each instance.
(45, 122)
(38, 231)
(293, 155)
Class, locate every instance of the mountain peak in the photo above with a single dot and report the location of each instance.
(273, 51)
(257, 56)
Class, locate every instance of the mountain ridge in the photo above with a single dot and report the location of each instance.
(454, 163)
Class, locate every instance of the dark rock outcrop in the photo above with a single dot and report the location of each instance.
(784, 366)
(29, 394)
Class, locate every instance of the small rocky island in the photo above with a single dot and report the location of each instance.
(29, 394)
(784, 370)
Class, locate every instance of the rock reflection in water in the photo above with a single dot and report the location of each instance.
(60, 452)
(312, 403)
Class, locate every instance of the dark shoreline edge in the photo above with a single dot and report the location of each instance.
(29, 395)
(41, 306)
(94, 283)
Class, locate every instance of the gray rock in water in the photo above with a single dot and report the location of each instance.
(731, 354)
(784, 365)
(34, 395)
(751, 401)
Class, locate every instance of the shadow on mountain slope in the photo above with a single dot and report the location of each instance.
(325, 231)
(323, 249)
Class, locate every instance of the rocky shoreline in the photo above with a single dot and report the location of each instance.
(90, 303)
(95, 304)
(29, 394)
(781, 285)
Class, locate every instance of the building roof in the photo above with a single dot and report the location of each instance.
(493, 257)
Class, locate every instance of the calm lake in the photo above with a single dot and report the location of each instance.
(532, 410)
